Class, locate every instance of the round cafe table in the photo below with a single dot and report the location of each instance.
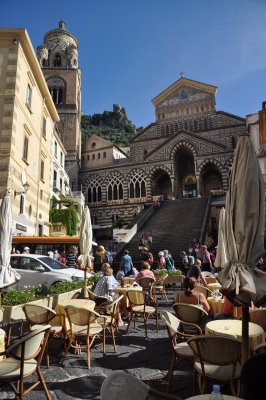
(2, 342)
(207, 397)
(123, 291)
(214, 286)
(211, 279)
(233, 328)
(216, 305)
(61, 312)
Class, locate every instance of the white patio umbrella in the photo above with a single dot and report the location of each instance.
(85, 245)
(244, 234)
(7, 275)
(221, 255)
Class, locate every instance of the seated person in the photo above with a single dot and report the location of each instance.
(145, 272)
(195, 270)
(253, 377)
(192, 297)
(104, 289)
(113, 280)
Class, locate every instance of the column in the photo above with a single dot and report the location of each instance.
(198, 186)
(173, 187)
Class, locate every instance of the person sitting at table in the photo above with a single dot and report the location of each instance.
(192, 297)
(113, 280)
(195, 270)
(104, 288)
(145, 272)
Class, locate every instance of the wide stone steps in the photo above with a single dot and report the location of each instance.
(173, 226)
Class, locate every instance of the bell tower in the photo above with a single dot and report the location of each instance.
(58, 58)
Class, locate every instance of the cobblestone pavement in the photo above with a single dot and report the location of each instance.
(148, 359)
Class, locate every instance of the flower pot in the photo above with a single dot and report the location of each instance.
(15, 313)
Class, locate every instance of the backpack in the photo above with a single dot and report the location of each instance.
(191, 260)
(108, 257)
(151, 260)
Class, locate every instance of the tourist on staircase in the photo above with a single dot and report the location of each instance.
(206, 259)
(168, 264)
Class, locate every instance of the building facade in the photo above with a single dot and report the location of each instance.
(187, 152)
(27, 119)
(58, 58)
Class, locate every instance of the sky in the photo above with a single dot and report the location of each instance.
(131, 50)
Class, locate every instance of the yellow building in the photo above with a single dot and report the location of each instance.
(27, 118)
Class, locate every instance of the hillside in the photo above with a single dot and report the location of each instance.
(111, 125)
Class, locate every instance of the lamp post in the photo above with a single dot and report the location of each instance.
(25, 186)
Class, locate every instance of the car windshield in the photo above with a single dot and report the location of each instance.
(54, 264)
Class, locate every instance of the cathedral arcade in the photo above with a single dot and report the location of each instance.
(187, 152)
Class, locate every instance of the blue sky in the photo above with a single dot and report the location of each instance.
(131, 50)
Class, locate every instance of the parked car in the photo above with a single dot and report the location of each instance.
(36, 269)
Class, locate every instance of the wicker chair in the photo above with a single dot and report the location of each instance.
(180, 348)
(140, 305)
(191, 314)
(258, 317)
(260, 349)
(110, 312)
(216, 360)
(204, 290)
(83, 325)
(159, 286)
(39, 316)
(146, 284)
(120, 384)
(20, 361)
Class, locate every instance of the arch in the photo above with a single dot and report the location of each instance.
(137, 183)
(210, 161)
(161, 182)
(183, 144)
(115, 186)
(154, 170)
(57, 60)
(183, 156)
(211, 179)
(94, 189)
(57, 88)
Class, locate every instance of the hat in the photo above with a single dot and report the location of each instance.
(26, 248)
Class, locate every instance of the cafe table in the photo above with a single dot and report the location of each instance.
(214, 286)
(233, 328)
(216, 305)
(207, 397)
(2, 342)
(123, 291)
(211, 279)
(60, 309)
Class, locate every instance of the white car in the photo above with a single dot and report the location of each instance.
(36, 270)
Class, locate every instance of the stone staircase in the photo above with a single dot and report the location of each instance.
(173, 226)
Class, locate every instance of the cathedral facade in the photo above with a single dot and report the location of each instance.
(187, 152)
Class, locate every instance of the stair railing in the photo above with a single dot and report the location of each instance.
(205, 221)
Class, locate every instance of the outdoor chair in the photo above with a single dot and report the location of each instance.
(142, 303)
(39, 316)
(127, 281)
(258, 317)
(159, 286)
(20, 361)
(193, 315)
(216, 360)
(146, 284)
(207, 274)
(204, 290)
(120, 384)
(83, 326)
(180, 348)
(99, 300)
(176, 280)
(110, 312)
(260, 349)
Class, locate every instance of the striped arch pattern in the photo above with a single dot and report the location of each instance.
(115, 186)
(217, 164)
(137, 183)
(183, 144)
(159, 168)
(94, 188)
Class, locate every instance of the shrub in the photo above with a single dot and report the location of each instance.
(159, 272)
(15, 297)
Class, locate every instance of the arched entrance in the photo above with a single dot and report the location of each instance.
(161, 184)
(211, 179)
(185, 180)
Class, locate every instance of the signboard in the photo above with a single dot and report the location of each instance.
(21, 228)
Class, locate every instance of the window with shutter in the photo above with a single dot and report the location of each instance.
(25, 149)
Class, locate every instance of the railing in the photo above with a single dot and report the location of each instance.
(205, 221)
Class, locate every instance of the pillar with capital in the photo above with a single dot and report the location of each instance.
(173, 187)
(198, 186)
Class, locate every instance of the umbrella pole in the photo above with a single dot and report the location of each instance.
(245, 339)
(85, 283)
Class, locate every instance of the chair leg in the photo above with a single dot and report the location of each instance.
(131, 316)
(113, 336)
(88, 353)
(9, 333)
(171, 373)
(66, 351)
(43, 383)
(104, 340)
(145, 325)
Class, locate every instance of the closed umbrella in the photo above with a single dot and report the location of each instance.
(221, 255)
(244, 234)
(85, 244)
(7, 275)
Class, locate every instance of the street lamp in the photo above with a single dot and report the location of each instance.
(25, 186)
